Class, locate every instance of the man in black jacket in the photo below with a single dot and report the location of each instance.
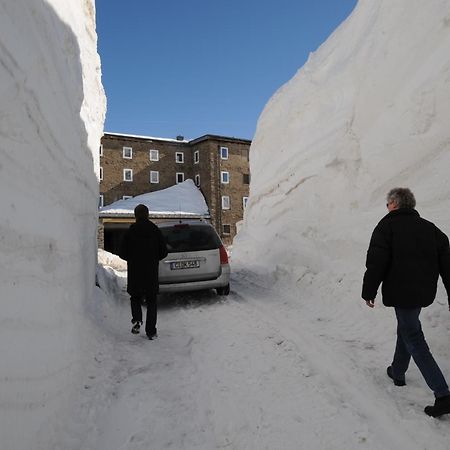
(143, 246)
(407, 254)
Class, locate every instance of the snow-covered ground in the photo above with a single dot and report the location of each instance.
(260, 369)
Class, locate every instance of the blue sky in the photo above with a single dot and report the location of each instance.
(195, 67)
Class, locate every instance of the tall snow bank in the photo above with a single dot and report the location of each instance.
(51, 118)
(369, 111)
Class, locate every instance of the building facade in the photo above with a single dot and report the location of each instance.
(133, 165)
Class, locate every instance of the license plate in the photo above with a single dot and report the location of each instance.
(184, 265)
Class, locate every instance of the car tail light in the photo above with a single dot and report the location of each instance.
(223, 255)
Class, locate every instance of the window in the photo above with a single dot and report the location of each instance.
(100, 201)
(127, 197)
(190, 238)
(225, 202)
(101, 173)
(245, 153)
(225, 177)
(246, 178)
(101, 150)
(196, 157)
(223, 152)
(154, 176)
(180, 177)
(226, 229)
(154, 155)
(179, 157)
(127, 174)
(127, 153)
(244, 202)
(197, 180)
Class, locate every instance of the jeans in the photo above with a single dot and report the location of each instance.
(411, 342)
(136, 311)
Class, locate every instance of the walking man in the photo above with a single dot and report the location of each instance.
(143, 246)
(407, 254)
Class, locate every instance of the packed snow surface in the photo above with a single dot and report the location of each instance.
(183, 199)
(257, 370)
(51, 118)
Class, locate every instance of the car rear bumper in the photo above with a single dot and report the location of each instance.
(221, 281)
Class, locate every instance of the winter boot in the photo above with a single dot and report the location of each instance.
(396, 381)
(441, 406)
(152, 336)
(136, 327)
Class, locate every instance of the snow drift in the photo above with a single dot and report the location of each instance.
(369, 111)
(51, 108)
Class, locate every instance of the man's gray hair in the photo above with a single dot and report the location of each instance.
(403, 197)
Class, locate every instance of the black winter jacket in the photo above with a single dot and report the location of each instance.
(143, 246)
(407, 254)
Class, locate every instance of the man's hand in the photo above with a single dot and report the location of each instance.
(371, 303)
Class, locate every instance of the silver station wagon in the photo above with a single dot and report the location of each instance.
(197, 258)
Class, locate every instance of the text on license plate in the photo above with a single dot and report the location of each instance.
(184, 265)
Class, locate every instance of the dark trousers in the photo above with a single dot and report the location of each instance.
(136, 311)
(411, 343)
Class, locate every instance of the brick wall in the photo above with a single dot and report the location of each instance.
(114, 187)
(209, 168)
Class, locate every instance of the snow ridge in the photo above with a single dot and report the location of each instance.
(51, 108)
(366, 113)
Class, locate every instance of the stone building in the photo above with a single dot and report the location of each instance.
(133, 165)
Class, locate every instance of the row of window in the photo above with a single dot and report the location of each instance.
(154, 176)
(226, 203)
(127, 153)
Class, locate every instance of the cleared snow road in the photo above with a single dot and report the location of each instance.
(254, 371)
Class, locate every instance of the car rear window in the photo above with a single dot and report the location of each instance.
(190, 238)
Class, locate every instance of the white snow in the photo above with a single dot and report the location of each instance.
(51, 118)
(369, 111)
(183, 199)
(257, 370)
(184, 141)
(292, 359)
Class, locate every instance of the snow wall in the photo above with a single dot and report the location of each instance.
(369, 111)
(52, 108)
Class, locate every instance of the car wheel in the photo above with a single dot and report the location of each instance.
(223, 290)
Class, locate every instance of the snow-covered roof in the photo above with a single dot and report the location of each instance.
(184, 141)
(182, 200)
